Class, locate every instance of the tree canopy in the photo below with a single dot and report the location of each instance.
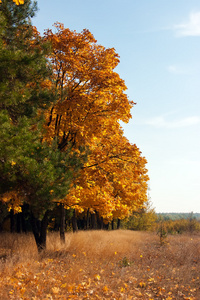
(62, 103)
(91, 103)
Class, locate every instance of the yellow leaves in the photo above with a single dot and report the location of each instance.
(71, 288)
(91, 102)
(18, 2)
(13, 200)
(86, 71)
(105, 289)
(11, 292)
(142, 284)
(13, 163)
(16, 208)
(97, 277)
(60, 277)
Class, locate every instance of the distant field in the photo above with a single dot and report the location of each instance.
(100, 265)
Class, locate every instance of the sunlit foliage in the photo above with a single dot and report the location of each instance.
(18, 2)
(91, 103)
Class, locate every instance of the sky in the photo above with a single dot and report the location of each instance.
(159, 47)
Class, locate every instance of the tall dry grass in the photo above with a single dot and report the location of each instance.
(100, 265)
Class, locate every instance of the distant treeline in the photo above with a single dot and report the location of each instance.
(178, 216)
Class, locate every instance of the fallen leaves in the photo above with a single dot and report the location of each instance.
(72, 276)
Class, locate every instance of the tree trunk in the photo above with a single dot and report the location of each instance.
(12, 221)
(112, 224)
(118, 223)
(24, 229)
(62, 223)
(19, 222)
(106, 226)
(93, 221)
(101, 223)
(40, 231)
(88, 219)
(74, 222)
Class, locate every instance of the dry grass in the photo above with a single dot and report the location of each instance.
(100, 265)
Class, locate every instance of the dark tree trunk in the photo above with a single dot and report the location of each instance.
(62, 222)
(40, 231)
(106, 226)
(112, 224)
(19, 222)
(93, 221)
(21, 225)
(24, 229)
(74, 222)
(12, 221)
(118, 223)
(101, 223)
(88, 219)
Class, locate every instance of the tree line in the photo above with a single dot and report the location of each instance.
(62, 148)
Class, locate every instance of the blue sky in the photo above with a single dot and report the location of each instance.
(159, 47)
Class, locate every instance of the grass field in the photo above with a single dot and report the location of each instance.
(100, 265)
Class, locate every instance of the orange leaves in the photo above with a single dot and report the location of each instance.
(13, 200)
(89, 90)
(18, 2)
(91, 102)
(102, 264)
(113, 181)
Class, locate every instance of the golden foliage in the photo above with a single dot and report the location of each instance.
(18, 2)
(91, 102)
(13, 200)
(90, 92)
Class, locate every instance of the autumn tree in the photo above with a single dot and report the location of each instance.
(113, 182)
(89, 90)
(144, 218)
(91, 101)
(31, 171)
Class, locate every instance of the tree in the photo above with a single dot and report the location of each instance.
(23, 64)
(113, 182)
(31, 171)
(91, 102)
(90, 92)
(144, 218)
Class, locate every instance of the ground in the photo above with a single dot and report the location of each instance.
(101, 265)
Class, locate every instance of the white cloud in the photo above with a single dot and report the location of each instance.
(172, 69)
(191, 27)
(161, 122)
(176, 69)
